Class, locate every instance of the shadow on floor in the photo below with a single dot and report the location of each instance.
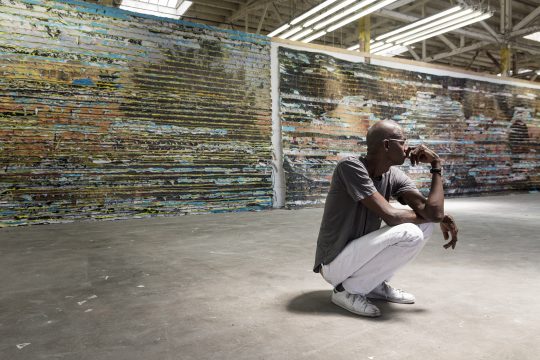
(318, 302)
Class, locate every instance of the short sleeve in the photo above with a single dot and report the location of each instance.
(355, 179)
(401, 183)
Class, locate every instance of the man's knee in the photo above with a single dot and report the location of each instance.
(411, 233)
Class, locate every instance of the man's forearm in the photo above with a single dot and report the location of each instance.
(401, 216)
(434, 209)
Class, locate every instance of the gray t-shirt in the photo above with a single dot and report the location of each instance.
(345, 218)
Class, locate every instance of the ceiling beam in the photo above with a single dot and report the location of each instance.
(276, 11)
(490, 30)
(217, 4)
(482, 65)
(251, 6)
(447, 42)
(262, 19)
(526, 48)
(472, 60)
(527, 19)
(472, 47)
(524, 32)
(492, 58)
(413, 53)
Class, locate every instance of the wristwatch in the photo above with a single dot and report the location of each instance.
(435, 170)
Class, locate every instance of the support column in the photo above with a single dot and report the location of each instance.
(278, 172)
(505, 61)
(364, 33)
(364, 36)
(506, 29)
(424, 49)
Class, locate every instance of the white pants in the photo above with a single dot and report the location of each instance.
(373, 258)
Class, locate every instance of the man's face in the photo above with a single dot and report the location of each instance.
(397, 147)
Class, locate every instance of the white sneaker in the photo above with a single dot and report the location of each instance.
(355, 303)
(391, 294)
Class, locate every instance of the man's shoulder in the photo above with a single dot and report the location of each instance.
(351, 161)
(351, 166)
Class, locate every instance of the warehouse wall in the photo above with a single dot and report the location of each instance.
(107, 115)
(487, 132)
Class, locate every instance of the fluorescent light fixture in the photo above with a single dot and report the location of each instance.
(461, 14)
(183, 7)
(360, 14)
(534, 36)
(302, 34)
(343, 9)
(279, 30)
(456, 26)
(148, 12)
(408, 37)
(312, 11)
(344, 13)
(419, 22)
(290, 32)
(374, 45)
(165, 8)
(394, 50)
(455, 18)
(329, 12)
(315, 36)
(383, 47)
(301, 17)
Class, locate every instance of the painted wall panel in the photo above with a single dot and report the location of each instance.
(107, 115)
(487, 133)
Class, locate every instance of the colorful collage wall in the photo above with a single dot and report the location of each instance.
(105, 115)
(487, 133)
(109, 115)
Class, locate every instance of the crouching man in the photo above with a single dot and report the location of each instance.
(353, 253)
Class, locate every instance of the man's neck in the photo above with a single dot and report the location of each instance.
(376, 166)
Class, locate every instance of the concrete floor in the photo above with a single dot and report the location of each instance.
(240, 286)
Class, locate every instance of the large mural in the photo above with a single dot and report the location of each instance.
(487, 133)
(107, 115)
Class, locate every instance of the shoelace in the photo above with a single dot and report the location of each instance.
(362, 300)
(386, 287)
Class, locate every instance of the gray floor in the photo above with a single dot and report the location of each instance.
(240, 286)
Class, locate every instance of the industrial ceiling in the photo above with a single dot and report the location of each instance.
(477, 47)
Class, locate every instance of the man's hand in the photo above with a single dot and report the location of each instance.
(421, 154)
(449, 227)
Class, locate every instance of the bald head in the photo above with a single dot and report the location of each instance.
(384, 129)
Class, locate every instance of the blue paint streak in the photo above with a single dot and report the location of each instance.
(83, 82)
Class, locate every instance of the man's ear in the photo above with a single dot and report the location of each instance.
(386, 144)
